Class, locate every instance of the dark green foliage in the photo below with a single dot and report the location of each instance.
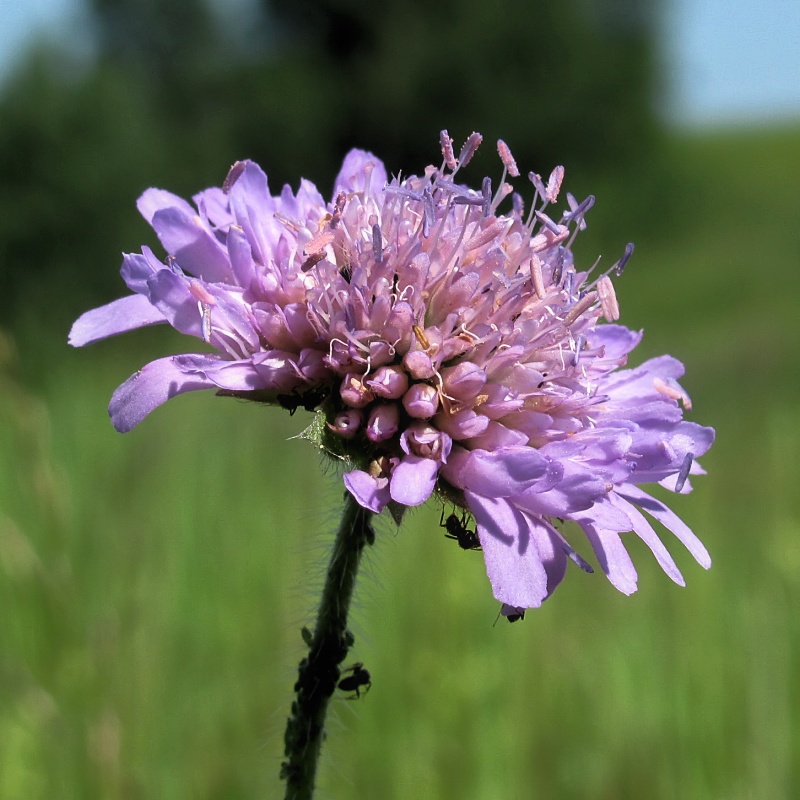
(178, 92)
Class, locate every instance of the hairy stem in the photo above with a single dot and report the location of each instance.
(319, 673)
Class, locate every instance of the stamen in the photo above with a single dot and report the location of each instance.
(312, 261)
(683, 474)
(468, 150)
(620, 265)
(377, 243)
(338, 208)
(582, 305)
(558, 269)
(467, 200)
(536, 180)
(608, 298)
(486, 191)
(486, 235)
(578, 210)
(421, 337)
(507, 158)
(447, 150)
(672, 389)
(428, 210)
(233, 175)
(518, 204)
(318, 243)
(537, 277)
(403, 192)
(205, 313)
(554, 184)
(201, 294)
(580, 343)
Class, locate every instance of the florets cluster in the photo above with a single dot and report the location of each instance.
(447, 346)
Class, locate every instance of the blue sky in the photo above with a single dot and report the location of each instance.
(726, 61)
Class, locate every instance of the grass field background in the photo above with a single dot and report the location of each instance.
(153, 585)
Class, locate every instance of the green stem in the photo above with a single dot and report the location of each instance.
(319, 673)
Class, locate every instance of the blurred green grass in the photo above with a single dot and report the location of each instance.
(153, 585)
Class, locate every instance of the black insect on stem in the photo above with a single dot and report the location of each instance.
(457, 529)
(357, 679)
(308, 400)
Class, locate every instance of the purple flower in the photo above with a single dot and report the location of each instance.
(448, 346)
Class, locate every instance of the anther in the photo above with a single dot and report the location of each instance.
(672, 389)
(486, 235)
(536, 180)
(580, 343)
(608, 298)
(338, 208)
(558, 269)
(537, 277)
(683, 473)
(486, 191)
(582, 305)
(447, 149)
(429, 212)
(468, 150)
(377, 243)
(507, 158)
(620, 265)
(233, 175)
(554, 184)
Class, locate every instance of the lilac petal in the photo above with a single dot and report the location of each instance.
(669, 520)
(119, 316)
(253, 207)
(614, 559)
(241, 376)
(169, 293)
(644, 530)
(195, 248)
(213, 204)
(351, 176)
(617, 341)
(513, 563)
(413, 480)
(577, 490)
(154, 200)
(138, 268)
(551, 553)
(149, 388)
(371, 493)
(506, 472)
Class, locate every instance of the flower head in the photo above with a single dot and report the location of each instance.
(448, 346)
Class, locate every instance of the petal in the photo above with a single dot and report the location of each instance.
(119, 316)
(413, 480)
(147, 389)
(669, 520)
(153, 200)
(513, 563)
(238, 376)
(253, 207)
(371, 493)
(506, 472)
(612, 555)
(195, 248)
(358, 165)
(644, 530)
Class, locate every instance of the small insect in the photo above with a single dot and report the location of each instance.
(358, 679)
(308, 400)
(457, 529)
(516, 617)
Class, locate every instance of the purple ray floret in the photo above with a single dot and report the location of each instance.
(449, 347)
